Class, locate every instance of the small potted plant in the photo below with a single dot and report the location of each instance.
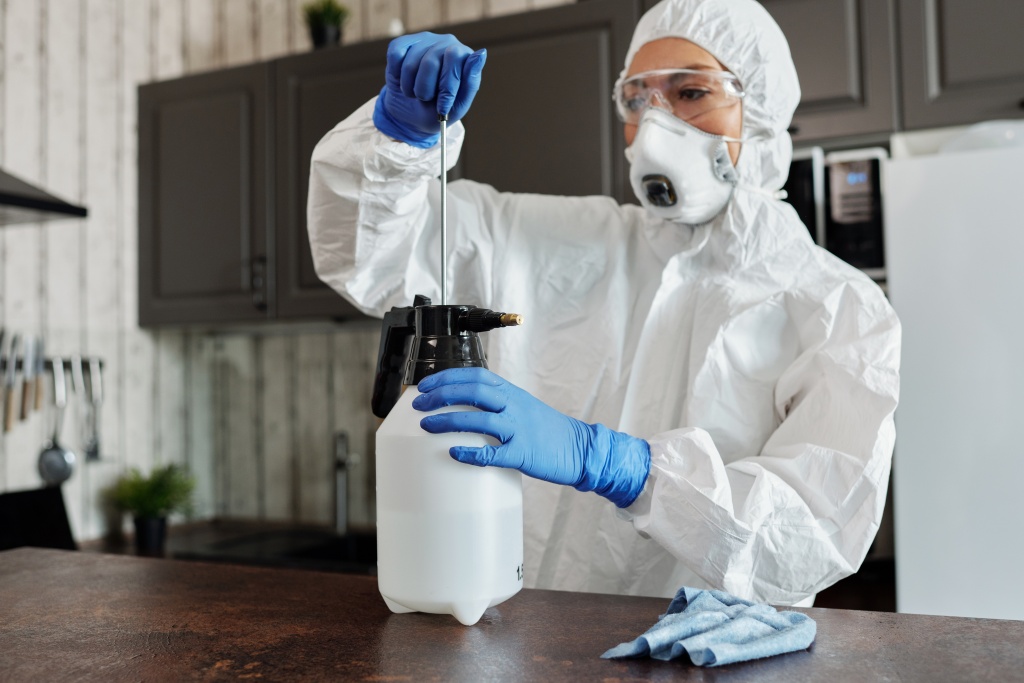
(324, 19)
(150, 500)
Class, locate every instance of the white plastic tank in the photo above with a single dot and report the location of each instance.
(449, 535)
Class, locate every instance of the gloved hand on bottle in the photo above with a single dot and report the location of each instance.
(427, 75)
(535, 438)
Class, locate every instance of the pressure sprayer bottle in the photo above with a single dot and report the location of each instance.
(449, 535)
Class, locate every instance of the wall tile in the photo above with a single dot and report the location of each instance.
(237, 32)
(63, 240)
(494, 8)
(102, 267)
(423, 14)
(464, 10)
(201, 422)
(538, 4)
(273, 26)
(151, 48)
(313, 421)
(22, 143)
(201, 42)
(352, 32)
(168, 37)
(236, 405)
(354, 349)
(381, 14)
(280, 460)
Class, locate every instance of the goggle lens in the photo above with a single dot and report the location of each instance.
(686, 93)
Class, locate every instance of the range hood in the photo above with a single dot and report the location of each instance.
(21, 202)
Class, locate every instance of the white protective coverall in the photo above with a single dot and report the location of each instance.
(762, 370)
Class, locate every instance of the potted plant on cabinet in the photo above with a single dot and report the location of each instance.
(324, 19)
(150, 500)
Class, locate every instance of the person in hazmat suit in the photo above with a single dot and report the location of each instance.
(725, 386)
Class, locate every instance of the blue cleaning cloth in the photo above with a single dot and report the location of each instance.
(715, 628)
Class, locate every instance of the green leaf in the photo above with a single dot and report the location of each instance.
(166, 490)
(325, 13)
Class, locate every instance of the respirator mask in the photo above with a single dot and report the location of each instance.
(678, 171)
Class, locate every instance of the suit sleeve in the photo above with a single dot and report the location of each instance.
(784, 524)
(373, 218)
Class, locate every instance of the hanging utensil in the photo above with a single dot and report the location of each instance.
(40, 390)
(28, 375)
(80, 390)
(3, 370)
(10, 381)
(91, 394)
(56, 463)
(92, 448)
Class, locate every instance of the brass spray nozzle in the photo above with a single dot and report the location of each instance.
(511, 319)
(482, 319)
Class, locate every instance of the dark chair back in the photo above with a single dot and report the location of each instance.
(35, 518)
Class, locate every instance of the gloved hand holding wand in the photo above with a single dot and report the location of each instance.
(427, 75)
(535, 438)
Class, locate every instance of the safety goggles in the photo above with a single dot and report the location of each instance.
(686, 93)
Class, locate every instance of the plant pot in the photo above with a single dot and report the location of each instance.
(150, 536)
(325, 36)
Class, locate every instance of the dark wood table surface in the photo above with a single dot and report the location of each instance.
(88, 616)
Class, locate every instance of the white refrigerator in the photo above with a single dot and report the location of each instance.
(954, 243)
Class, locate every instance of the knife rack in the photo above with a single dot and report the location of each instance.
(21, 395)
(48, 364)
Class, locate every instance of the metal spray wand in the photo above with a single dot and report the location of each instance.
(443, 118)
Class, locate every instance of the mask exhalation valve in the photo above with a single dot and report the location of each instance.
(659, 190)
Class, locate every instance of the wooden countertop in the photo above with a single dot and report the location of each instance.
(87, 616)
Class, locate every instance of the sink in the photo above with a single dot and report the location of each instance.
(350, 548)
(299, 548)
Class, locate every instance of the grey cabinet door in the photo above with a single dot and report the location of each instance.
(314, 92)
(543, 120)
(963, 61)
(203, 191)
(843, 56)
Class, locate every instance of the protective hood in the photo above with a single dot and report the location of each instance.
(747, 41)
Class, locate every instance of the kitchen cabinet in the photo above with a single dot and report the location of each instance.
(544, 120)
(963, 62)
(949, 63)
(561, 64)
(843, 57)
(204, 190)
(224, 157)
(313, 93)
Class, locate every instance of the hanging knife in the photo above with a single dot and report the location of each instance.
(28, 375)
(79, 387)
(3, 370)
(40, 391)
(92, 449)
(10, 377)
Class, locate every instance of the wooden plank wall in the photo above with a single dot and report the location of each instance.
(253, 416)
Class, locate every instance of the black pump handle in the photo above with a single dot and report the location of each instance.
(399, 327)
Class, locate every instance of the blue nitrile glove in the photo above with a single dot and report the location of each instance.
(427, 75)
(535, 438)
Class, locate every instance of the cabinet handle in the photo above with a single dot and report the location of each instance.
(1021, 104)
(258, 282)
